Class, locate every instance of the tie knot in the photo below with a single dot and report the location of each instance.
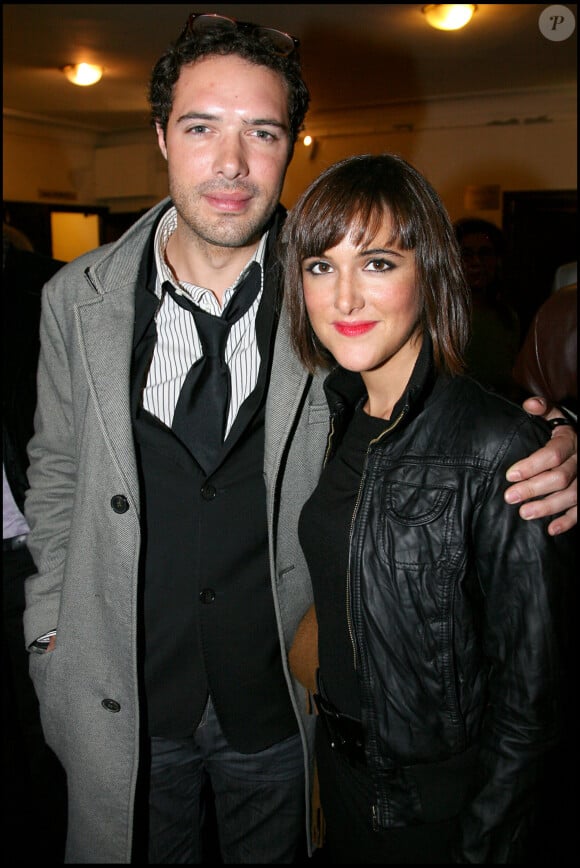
(201, 412)
(213, 332)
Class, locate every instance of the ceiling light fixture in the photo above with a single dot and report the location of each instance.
(83, 74)
(447, 16)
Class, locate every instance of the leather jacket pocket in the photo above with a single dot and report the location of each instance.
(415, 527)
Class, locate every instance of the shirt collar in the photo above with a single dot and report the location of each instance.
(165, 229)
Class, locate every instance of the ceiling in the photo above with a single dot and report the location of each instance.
(353, 55)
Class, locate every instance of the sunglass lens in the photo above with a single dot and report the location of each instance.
(277, 41)
(204, 23)
(280, 42)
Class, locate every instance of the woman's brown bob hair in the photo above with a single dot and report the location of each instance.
(351, 198)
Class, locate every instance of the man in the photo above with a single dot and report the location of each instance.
(170, 578)
(495, 323)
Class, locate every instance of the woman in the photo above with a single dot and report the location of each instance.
(437, 606)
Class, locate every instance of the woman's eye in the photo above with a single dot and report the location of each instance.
(318, 268)
(378, 265)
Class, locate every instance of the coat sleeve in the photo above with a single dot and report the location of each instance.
(523, 574)
(52, 474)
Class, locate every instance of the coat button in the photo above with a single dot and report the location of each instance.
(207, 595)
(119, 503)
(111, 705)
(208, 492)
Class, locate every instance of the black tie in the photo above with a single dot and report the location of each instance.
(201, 411)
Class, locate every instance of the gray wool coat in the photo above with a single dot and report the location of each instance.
(83, 509)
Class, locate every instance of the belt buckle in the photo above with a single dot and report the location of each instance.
(329, 716)
(344, 732)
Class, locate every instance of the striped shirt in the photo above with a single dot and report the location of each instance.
(178, 345)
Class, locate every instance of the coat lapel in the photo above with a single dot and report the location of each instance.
(288, 383)
(105, 330)
(105, 326)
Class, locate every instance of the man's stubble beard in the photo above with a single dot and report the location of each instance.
(230, 231)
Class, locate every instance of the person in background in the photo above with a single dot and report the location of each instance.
(547, 363)
(438, 609)
(170, 578)
(30, 766)
(16, 239)
(565, 275)
(495, 332)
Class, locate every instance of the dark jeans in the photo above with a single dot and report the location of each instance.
(33, 780)
(347, 794)
(259, 798)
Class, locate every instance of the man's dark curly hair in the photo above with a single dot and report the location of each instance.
(190, 48)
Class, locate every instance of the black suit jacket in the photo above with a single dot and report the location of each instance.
(207, 608)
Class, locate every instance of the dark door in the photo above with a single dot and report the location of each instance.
(541, 231)
(33, 218)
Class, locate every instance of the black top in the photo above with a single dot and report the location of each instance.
(324, 530)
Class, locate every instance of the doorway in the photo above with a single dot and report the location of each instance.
(73, 234)
(541, 232)
(36, 221)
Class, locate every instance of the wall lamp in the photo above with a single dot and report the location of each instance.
(448, 16)
(311, 145)
(83, 74)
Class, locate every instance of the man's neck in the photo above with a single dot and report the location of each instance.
(206, 265)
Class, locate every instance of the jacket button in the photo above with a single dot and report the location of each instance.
(120, 503)
(208, 492)
(207, 595)
(111, 705)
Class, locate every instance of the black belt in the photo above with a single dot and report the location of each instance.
(15, 543)
(345, 733)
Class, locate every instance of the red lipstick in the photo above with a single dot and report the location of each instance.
(353, 329)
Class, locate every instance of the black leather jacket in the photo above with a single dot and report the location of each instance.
(453, 611)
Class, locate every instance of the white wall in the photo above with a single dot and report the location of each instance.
(509, 142)
(517, 141)
(44, 162)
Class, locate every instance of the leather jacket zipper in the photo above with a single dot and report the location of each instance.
(329, 441)
(349, 623)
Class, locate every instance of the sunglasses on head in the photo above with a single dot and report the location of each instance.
(281, 43)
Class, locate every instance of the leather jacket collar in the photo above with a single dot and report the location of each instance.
(345, 390)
